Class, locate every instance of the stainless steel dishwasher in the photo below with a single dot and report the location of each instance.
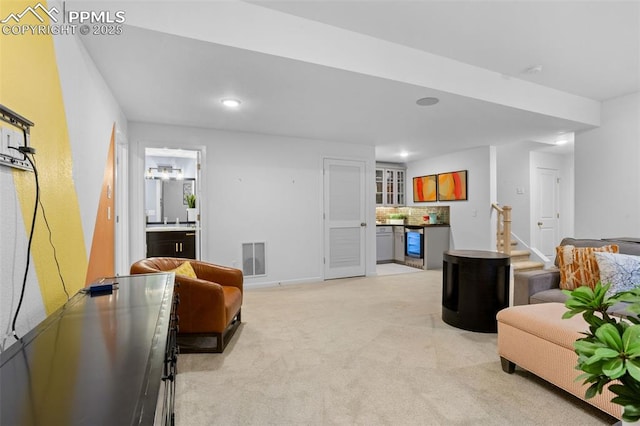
(384, 244)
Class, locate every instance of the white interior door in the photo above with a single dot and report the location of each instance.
(547, 211)
(344, 218)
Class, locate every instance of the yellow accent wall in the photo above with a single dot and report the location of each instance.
(30, 85)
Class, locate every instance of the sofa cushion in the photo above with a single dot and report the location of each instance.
(578, 265)
(622, 271)
(624, 247)
(546, 296)
(545, 321)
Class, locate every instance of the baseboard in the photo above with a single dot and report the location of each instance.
(268, 284)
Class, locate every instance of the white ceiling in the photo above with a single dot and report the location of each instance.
(589, 49)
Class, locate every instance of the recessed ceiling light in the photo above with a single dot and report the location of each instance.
(231, 103)
(427, 101)
(404, 154)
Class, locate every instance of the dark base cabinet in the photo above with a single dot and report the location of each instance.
(171, 244)
(475, 286)
(106, 359)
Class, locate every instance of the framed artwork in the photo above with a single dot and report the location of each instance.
(187, 189)
(452, 186)
(425, 188)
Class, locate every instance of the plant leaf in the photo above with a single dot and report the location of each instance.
(614, 368)
(609, 335)
(633, 367)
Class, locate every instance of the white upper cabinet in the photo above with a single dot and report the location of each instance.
(390, 186)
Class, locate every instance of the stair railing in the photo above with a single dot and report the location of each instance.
(503, 231)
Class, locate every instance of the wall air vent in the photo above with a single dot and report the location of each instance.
(253, 259)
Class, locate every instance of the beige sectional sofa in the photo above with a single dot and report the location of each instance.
(537, 339)
(533, 335)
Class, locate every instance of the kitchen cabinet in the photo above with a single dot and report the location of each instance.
(171, 244)
(436, 242)
(384, 244)
(390, 186)
(398, 244)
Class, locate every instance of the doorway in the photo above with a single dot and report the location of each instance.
(172, 198)
(547, 210)
(344, 218)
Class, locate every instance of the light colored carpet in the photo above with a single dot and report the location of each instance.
(394, 268)
(363, 351)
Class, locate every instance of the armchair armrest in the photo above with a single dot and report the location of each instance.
(201, 307)
(529, 283)
(220, 274)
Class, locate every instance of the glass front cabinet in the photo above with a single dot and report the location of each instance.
(390, 187)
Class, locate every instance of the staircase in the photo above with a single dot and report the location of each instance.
(520, 259)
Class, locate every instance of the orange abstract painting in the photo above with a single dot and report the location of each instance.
(452, 186)
(425, 188)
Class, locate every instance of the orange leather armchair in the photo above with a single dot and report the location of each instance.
(210, 305)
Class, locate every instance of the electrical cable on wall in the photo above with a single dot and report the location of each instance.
(27, 150)
(55, 255)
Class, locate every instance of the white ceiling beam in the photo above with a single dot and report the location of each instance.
(259, 29)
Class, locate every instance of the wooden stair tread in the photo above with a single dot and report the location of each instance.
(527, 265)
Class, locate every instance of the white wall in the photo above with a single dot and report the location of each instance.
(255, 188)
(471, 221)
(607, 173)
(513, 177)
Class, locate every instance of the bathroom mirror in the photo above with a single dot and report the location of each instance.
(166, 199)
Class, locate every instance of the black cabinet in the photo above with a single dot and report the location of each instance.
(171, 244)
(103, 360)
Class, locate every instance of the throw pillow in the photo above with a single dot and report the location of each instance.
(186, 270)
(621, 270)
(578, 265)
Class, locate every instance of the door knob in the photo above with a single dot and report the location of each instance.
(363, 224)
(539, 223)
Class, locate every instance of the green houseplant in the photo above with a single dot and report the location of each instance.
(397, 218)
(191, 207)
(610, 350)
(191, 201)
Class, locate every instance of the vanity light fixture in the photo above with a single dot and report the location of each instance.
(231, 103)
(165, 172)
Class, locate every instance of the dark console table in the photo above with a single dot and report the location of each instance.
(106, 359)
(475, 286)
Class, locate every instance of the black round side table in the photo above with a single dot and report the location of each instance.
(475, 286)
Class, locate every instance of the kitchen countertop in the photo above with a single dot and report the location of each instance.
(170, 227)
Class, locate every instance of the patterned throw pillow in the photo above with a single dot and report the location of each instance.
(621, 270)
(578, 265)
(186, 270)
